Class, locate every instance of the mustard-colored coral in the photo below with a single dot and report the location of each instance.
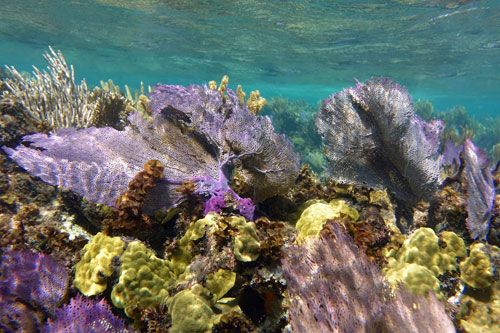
(477, 269)
(223, 85)
(144, 279)
(220, 282)
(191, 310)
(240, 93)
(246, 245)
(212, 85)
(313, 218)
(93, 270)
(255, 103)
(481, 314)
(423, 249)
(419, 279)
(182, 256)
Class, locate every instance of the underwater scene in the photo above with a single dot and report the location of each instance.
(250, 166)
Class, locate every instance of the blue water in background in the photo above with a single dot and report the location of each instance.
(444, 51)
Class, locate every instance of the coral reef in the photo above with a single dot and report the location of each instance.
(371, 136)
(295, 119)
(476, 174)
(35, 279)
(53, 99)
(143, 281)
(86, 315)
(95, 267)
(98, 163)
(334, 288)
(421, 259)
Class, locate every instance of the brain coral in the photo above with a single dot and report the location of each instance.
(94, 269)
(144, 279)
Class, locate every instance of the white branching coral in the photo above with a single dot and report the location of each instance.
(51, 97)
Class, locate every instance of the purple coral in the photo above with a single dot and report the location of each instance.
(194, 131)
(86, 315)
(478, 177)
(371, 136)
(35, 279)
(334, 287)
(222, 200)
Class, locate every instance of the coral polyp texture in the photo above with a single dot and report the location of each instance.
(86, 315)
(194, 132)
(34, 279)
(334, 287)
(371, 136)
(94, 269)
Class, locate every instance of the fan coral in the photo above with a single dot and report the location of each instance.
(480, 189)
(335, 288)
(86, 315)
(371, 136)
(194, 132)
(476, 173)
(35, 279)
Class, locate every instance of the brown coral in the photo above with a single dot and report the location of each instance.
(130, 204)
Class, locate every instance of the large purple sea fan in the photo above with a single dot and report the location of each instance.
(334, 287)
(195, 132)
(34, 279)
(86, 315)
(372, 137)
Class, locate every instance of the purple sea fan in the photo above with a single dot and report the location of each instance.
(372, 137)
(86, 315)
(334, 287)
(478, 177)
(35, 279)
(195, 132)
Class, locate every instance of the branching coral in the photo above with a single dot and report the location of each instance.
(371, 136)
(130, 204)
(52, 99)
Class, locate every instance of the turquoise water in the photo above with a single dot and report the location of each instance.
(444, 51)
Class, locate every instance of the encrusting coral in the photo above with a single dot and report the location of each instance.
(130, 205)
(477, 270)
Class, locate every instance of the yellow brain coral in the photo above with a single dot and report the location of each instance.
(422, 258)
(246, 245)
(93, 270)
(477, 270)
(313, 218)
(143, 280)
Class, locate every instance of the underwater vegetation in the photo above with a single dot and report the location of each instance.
(460, 125)
(296, 119)
(186, 211)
